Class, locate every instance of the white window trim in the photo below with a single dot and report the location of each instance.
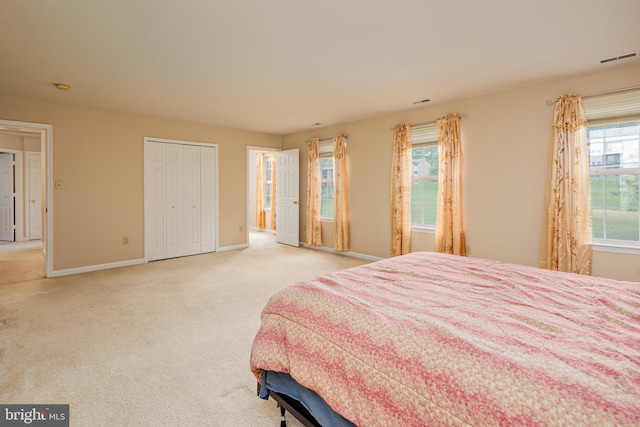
(621, 107)
(427, 229)
(616, 246)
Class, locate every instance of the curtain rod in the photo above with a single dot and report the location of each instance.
(604, 92)
(433, 122)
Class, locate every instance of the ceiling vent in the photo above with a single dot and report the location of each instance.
(617, 58)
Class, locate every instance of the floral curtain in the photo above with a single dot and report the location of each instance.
(313, 233)
(260, 214)
(272, 224)
(341, 186)
(450, 236)
(566, 236)
(401, 191)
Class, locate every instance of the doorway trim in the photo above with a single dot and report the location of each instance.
(46, 142)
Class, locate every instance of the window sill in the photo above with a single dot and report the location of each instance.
(616, 247)
(423, 229)
(326, 219)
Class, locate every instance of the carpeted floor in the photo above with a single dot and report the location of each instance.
(21, 265)
(160, 344)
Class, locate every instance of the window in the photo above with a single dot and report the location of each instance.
(424, 176)
(614, 161)
(613, 137)
(327, 191)
(267, 181)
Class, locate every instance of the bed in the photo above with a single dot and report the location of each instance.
(434, 339)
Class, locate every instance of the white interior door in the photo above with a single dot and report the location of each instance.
(208, 198)
(180, 199)
(287, 197)
(6, 198)
(35, 196)
(191, 201)
(175, 206)
(155, 200)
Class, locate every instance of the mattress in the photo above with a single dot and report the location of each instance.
(435, 339)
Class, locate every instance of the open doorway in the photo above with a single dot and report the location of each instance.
(259, 199)
(25, 251)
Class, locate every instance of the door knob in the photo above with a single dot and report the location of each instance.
(33, 201)
(295, 202)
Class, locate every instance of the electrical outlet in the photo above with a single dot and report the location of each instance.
(125, 240)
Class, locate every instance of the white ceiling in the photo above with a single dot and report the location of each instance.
(278, 66)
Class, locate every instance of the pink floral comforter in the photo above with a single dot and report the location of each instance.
(433, 339)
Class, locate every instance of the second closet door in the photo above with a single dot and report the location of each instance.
(180, 200)
(192, 234)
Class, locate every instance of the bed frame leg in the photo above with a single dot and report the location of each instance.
(283, 417)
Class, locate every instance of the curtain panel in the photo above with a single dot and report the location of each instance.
(260, 213)
(272, 225)
(313, 226)
(341, 186)
(450, 233)
(566, 237)
(401, 191)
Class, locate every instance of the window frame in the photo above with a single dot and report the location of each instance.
(326, 152)
(267, 183)
(423, 136)
(604, 244)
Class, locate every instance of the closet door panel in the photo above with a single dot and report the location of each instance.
(180, 200)
(156, 201)
(192, 200)
(208, 198)
(175, 201)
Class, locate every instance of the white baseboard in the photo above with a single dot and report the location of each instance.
(346, 253)
(232, 248)
(90, 268)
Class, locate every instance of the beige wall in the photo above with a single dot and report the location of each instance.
(506, 142)
(98, 155)
(11, 142)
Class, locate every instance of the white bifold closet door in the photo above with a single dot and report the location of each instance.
(179, 200)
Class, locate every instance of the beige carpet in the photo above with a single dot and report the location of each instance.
(160, 344)
(21, 265)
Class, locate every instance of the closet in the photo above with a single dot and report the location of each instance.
(180, 199)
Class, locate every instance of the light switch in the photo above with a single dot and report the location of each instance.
(58, 183)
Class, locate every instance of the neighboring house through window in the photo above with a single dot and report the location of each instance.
(424, 176)
(613, 136)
